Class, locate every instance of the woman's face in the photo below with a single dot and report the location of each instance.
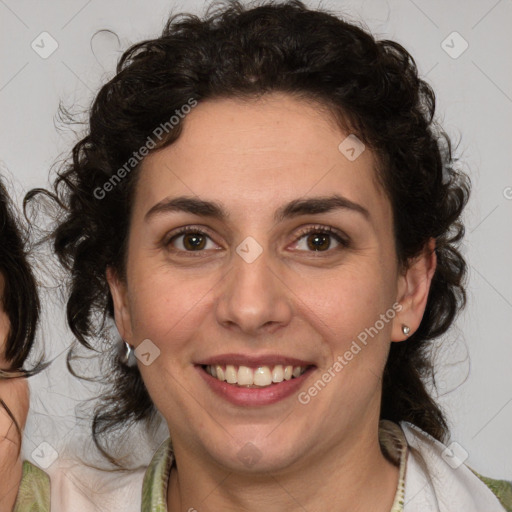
(252, 291)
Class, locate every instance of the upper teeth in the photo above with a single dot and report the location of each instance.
(260, 376)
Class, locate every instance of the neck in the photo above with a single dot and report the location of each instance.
(354, 477)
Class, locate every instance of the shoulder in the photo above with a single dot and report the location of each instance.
(34, 491)
(440, 474)
(502, 489)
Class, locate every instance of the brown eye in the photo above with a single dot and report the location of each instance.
(193, 241)
(319, 239)
(188, 239)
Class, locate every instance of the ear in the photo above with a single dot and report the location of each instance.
(119, 293)
(413, 288)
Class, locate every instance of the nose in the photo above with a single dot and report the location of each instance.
(253, 297)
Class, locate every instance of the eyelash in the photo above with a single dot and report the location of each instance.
(326, 230)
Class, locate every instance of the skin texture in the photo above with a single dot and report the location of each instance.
(253, 157)
(15, 393)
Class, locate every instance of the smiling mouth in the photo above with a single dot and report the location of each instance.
(257, 377)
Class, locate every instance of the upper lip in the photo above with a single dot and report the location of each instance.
(253, 360)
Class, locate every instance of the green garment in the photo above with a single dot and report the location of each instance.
(34, 491)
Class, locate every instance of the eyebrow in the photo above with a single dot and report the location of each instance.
(295, 208)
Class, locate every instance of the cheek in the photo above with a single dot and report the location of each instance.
(345, 314)
(172, 312)
(346, 302)
(167, 307)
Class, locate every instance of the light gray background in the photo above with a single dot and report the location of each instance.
(474, 93)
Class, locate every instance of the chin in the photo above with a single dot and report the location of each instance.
(258, 453)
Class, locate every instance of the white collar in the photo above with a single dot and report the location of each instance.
(437, 481)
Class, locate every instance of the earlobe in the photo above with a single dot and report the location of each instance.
(120, 298)
(413, 290)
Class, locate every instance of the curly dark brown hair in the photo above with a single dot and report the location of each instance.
(20, 299)
(371, 87)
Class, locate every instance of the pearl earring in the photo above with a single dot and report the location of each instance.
(406, 329)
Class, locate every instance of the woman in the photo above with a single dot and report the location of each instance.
(19, 313)
(267, 209)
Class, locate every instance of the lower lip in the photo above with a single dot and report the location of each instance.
(255, 396)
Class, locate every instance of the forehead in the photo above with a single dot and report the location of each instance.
(256, 153)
